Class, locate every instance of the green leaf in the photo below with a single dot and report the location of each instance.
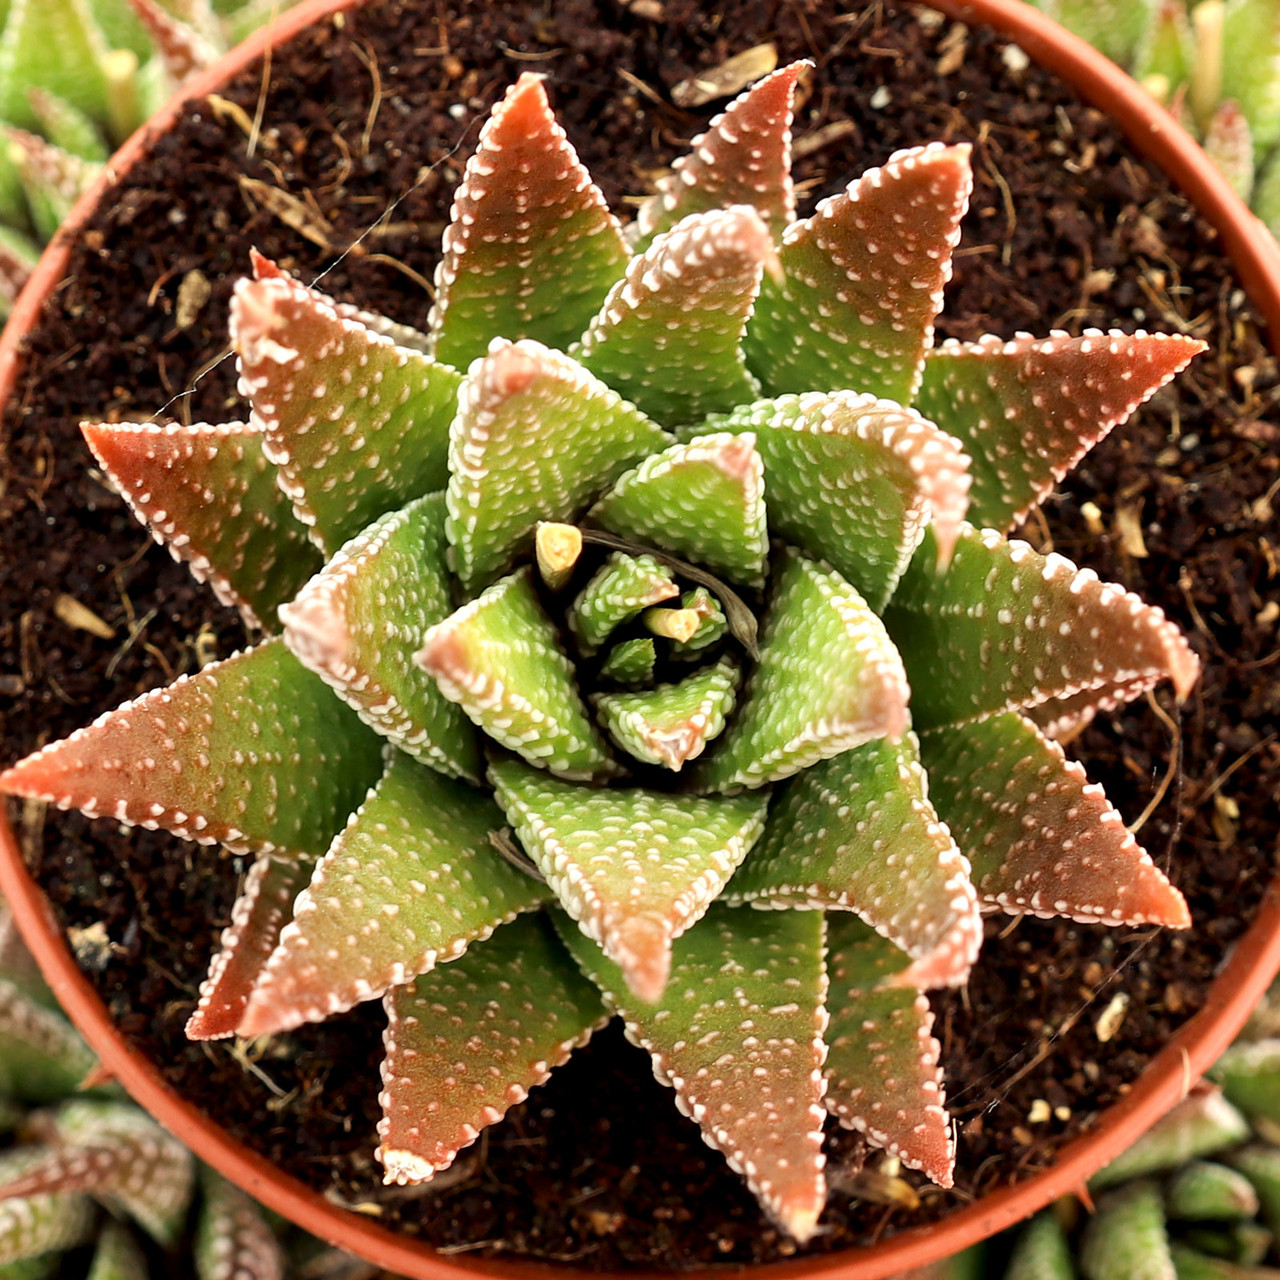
(1005, 628)
(42, 1057)
(857, 833)
(67, 127)
(1126, 1239)
(634, 868)
(828, 679)
(499, 658)
(712, 626)
(1039, 836)
(536, 438)
(671, 724)
(1261, 1165)
(1228, 142)
(669, 335)
(883, 1077)
(616, 593)
(1042, 1251)
(360, 623)
(702, 500)
(219, 757)
(357, 424)
(631, 662)
(1250, 1077)
(1026, 411)
(117, 1255)
(38, 1224)
(52, 179)
(1204, 1191)
(53, 45)
(1165, 49)
(1112, 26)
(182, 49)
(1190, 1264)
(743, 158)
(233, 1240)
(1251, 67)
(854, 480)
(210, 496)
(739, 1038)
(531, 248)
(469, 1040)
(863, 281)
(261, 909)
(409, 884)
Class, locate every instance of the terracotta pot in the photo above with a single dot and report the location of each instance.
(1243, 978)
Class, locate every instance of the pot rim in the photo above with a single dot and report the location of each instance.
(1243, 978)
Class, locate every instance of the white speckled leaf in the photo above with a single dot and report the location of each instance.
(209, 494)
(669, 335)
(744, 157)
(360, 622)
(233, 1240)
(1028, 410)
(410, 883)
(1005, 628)
(33, 1225)
(54, 45)
(631, 662)
(531, 248)
(499, 658)
(854, 479)
(467, 1041)
(357, 425)
(863, 280)
(261, 909)
(1040, 837)
(739, 1037)
(616, 593)
(181, 48)
(712, 625)
(536, 438)
(883, 1077)
(1228, 142)
(42, 1057)
(671, 724)
(858, 833)
(634, 868)
(115, 1152)
(702, 500)
(224, 756)
(52, 180)
(828, 679)
(1250, 57)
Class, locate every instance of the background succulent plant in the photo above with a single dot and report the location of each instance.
(1196, 1198)
(1214, 63)
(684, 454)
(76, 78)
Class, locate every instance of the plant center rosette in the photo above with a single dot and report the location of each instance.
(650, 648)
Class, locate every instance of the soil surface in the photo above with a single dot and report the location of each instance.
(355, 136)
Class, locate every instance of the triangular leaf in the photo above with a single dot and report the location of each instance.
(117, 1255)
(499, 658)
(744, 157)
(261, 909)
(630, 663)
(1039, 836)
(1005, 628)
(52, 179)
(233, 1240)
(828, 679)
(42, 1057)
(1250, 60)
(409, 884)
(39, 1224)
(739, 1037)
(1228, 142)
(672, 724)
(209, 494)
(617, 592)
(1166, 48)
(360, 623)
(536, 438)
(54, 45)
(703, 501)
(883, 1077)
(1113, 26)
(67, 127)
(222, 756)
(858, 833)
(863, 281)
(634, 868)
(712, 624)
(1126, 1236)
(531, 248)
(357, 425)
(469, 1040)
(181, 48)
(1027, 410)
(854, 479)
(669, 335)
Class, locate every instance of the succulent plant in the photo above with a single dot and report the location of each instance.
(638, 655)
(1197, 1197)
(1214, 63)
(82, 1168)
(76, 77)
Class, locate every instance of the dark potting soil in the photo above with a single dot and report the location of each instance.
(339, 158)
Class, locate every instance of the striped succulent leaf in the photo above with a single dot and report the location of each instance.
(561, 529)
